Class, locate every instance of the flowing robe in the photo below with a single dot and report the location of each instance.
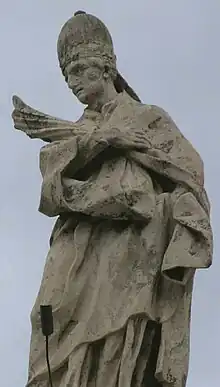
(133, 226)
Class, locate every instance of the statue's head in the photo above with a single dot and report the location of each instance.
(87, 59)
(86, 55)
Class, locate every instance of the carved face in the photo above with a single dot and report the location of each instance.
(85, 80)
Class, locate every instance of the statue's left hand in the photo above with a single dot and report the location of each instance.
(127, 140)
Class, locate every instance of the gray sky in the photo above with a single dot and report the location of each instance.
(169, 52)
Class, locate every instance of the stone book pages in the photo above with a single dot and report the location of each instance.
(40, 125)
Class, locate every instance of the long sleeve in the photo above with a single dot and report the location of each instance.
(190, 246)
(107, 198)
(118, 190)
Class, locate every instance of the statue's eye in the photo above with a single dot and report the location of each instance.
(76, 70)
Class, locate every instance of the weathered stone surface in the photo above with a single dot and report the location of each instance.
(132, 228)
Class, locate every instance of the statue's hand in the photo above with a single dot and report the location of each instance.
(127, 140)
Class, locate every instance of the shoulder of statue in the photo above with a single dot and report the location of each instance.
(152, 115)
(156, 109)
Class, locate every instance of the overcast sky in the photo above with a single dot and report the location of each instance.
(169, 52)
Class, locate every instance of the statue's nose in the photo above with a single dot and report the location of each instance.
(73, 83)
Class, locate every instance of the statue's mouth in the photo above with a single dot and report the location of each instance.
(78, 89)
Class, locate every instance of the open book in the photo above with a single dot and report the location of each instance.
(40, 125)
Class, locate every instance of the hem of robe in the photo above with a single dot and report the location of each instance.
(165, 366)
(124, 358)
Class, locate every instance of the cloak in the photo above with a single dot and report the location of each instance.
(133, 226)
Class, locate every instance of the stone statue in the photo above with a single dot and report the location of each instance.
(133, 226)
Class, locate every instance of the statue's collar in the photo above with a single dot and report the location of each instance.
(107, 109)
